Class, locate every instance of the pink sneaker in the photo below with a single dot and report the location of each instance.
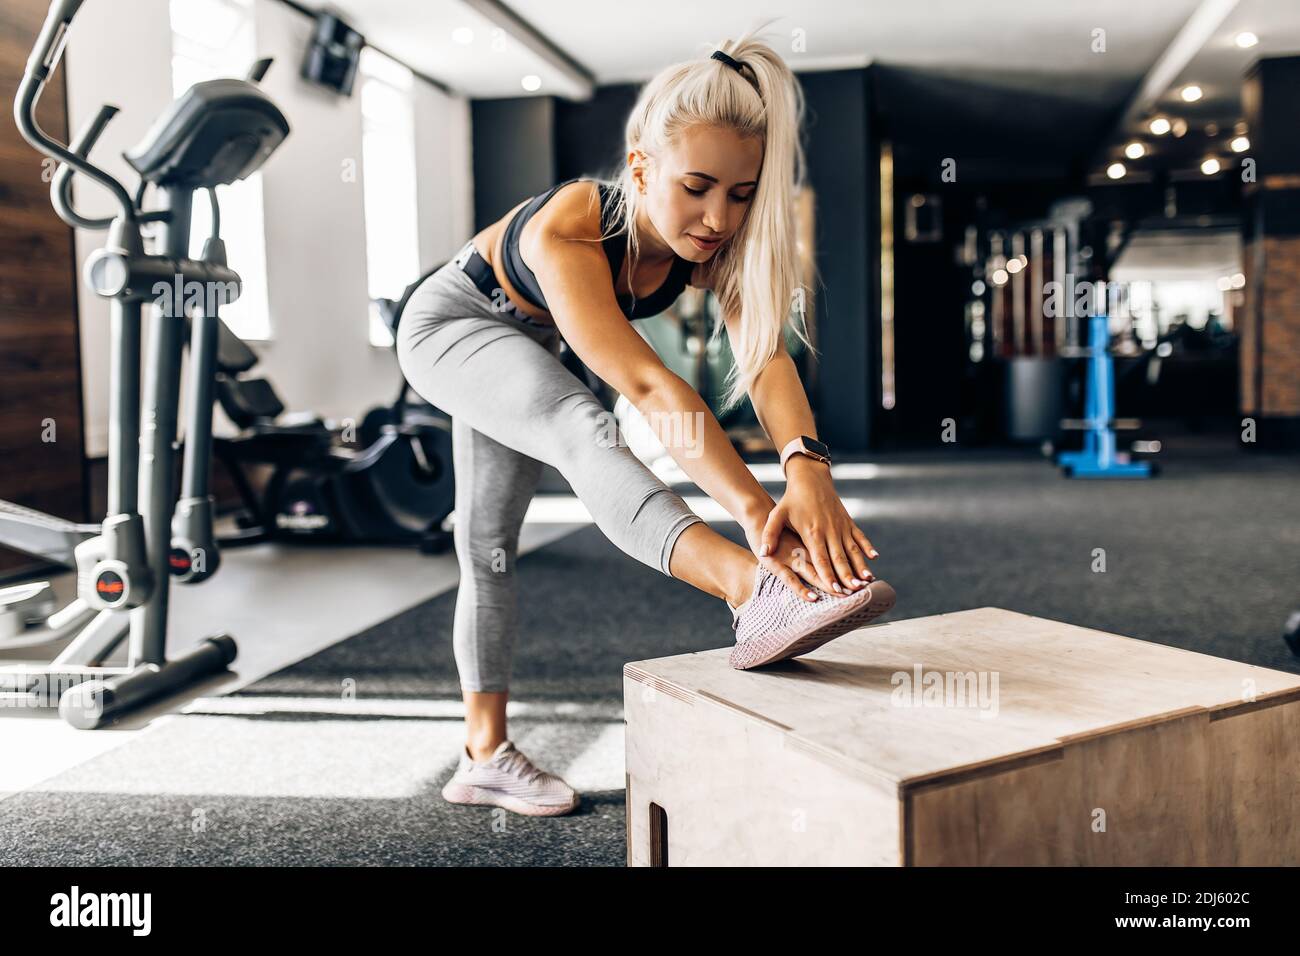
(509, 779)
(776, 623)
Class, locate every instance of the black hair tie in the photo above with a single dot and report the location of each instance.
(734, 64)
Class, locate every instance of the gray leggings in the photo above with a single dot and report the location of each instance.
(514, 406)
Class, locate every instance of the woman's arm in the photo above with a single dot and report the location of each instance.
(781, 405)
(810, 506)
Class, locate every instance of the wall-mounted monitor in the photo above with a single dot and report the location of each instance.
(333, 54)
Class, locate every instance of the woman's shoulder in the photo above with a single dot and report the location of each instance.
(573, 212)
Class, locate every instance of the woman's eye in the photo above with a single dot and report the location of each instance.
(735, 199)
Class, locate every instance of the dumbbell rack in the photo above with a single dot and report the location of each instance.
(1099, 459)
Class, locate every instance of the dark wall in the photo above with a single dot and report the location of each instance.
(589, 136)
(40, 365)
(1000, 126)
(514, 153)
(844, 173)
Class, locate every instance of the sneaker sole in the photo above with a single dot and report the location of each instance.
(483, 797)
(865, 606)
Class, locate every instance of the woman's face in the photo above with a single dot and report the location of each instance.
(698, 191)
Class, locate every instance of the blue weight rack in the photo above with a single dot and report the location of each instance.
(1099, 459)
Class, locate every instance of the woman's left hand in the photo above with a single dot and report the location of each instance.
(810, 507)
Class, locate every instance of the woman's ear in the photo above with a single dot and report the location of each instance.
(638, 161)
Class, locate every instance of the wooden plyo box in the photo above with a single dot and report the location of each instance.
(983, 737)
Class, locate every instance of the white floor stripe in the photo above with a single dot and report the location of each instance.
(601, 765)
(394, 707)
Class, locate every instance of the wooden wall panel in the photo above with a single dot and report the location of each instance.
(40, 366)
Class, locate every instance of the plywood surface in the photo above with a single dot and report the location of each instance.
(1046, 684)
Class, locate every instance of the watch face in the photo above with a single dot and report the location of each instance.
(816, 447)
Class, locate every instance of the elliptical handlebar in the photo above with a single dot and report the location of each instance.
(49, 45)
(61, 187)
(43, 61)
(257, 71)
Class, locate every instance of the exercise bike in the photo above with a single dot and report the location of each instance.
(218, 132)
(387, 481)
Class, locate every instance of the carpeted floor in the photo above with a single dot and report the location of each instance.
(1203, 557)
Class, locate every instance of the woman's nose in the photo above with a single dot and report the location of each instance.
(714, 219)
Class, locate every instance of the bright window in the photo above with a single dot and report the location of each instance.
(212, 39)
(388, 170)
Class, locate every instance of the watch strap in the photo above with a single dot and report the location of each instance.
(794, 447)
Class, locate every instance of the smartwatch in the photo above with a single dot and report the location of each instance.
(804, 445)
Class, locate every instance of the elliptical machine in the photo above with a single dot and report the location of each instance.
(218, 132)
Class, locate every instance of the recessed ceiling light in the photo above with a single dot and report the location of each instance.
(1116, 170)
(1135, 150)
(1191, 93)
(1246, 39)
(1159, 126)
(1210, 166)
(1240, 144)
(462, 35)
(532, 82)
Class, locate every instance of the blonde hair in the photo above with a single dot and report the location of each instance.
(756, 272)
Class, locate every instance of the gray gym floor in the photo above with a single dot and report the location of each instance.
(344, 721)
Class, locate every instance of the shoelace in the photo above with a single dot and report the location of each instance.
(517, 762)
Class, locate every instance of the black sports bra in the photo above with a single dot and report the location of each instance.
(522, 278)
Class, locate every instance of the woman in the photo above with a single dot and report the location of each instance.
(705, 199)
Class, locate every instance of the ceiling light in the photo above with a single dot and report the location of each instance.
(1240, 144)
(1159, 126)
(462, 35)
(1116, 170)
(1000, 277)
(1246, 39)
(1210, 166)
(1014, 266)
(1135, 150)
(1191, 93)
(532, 82)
